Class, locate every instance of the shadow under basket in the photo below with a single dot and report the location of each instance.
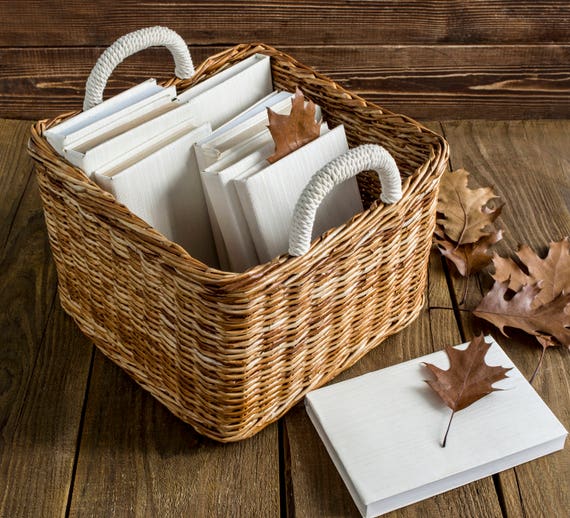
(227, 352)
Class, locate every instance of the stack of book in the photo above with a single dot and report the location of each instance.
(194, 165)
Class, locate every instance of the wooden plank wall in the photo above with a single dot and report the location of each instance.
(495, 59)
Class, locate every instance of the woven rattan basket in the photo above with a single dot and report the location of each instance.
(226, 352)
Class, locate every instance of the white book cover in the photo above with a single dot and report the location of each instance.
(245, 126)
(224, 204)
(57, 134)
(96, 154)
(113, 124)
(226, 94)
(258, 107)
(383, 431)
(268, 197)
(165, 190)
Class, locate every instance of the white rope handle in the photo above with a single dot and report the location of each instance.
(361, 158)
(128, 45)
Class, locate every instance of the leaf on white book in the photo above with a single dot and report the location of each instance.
(381, 431)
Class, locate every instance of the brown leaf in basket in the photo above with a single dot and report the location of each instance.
(468, 379)
(292, 131)
(470, 258)
(464, 213)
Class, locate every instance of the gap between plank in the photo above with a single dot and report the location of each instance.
(79, 434)
(457, 314)
(286, 501)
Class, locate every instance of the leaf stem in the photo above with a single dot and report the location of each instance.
(538, 366)
(447, 431)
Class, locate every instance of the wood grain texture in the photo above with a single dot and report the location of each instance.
(529, 164)
(278, 22)
(42, 367)
(15, 172)
(40, 447)
(137, 459)
(316, 488)
(429, 82)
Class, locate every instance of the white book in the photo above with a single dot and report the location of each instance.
(383, 432)
(246, 125)
(95, 154)
(227, 93)
(164, 189)
(258, 107)
(56, 135)
(119, 121)
(224, 206)
(268, 197)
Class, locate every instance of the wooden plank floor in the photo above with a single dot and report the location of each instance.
(79, 438)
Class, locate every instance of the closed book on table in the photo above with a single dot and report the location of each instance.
(383, 431)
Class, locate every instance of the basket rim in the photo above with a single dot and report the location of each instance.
(44, 154)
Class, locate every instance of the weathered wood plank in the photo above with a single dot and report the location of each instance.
(15, 172)
(137, 459)
(39, 449)
(43, 362)
(316, 489)
(528, 164)
(428, 82)
(319, 22)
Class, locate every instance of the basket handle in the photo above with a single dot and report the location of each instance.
(347, 165)
(128, 45)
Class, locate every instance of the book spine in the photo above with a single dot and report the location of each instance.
(226, 210)
(246, 204)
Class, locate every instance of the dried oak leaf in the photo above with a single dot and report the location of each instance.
(292, 131)
(468, 379)
(553, 272)
(464, 213)
(470, 258)
(549, 323)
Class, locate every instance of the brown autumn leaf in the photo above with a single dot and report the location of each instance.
(549, 323)
(551, 280)
(290, 132)
(552, 272)
(468, 379)
(470, 258)
(464, 213)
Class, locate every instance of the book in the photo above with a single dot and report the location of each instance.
(224, 203)
(58, 135)
(224, 206)
(229, 92)
(268, 196)
(248, 124)
(93, 154)
(121, 120)
(162, 186)
(383, 432)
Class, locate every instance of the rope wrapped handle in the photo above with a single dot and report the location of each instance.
(361, 158)
(128, 45)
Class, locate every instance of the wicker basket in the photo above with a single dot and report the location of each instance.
(226, 352)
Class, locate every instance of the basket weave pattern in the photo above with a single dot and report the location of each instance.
(226, 352)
